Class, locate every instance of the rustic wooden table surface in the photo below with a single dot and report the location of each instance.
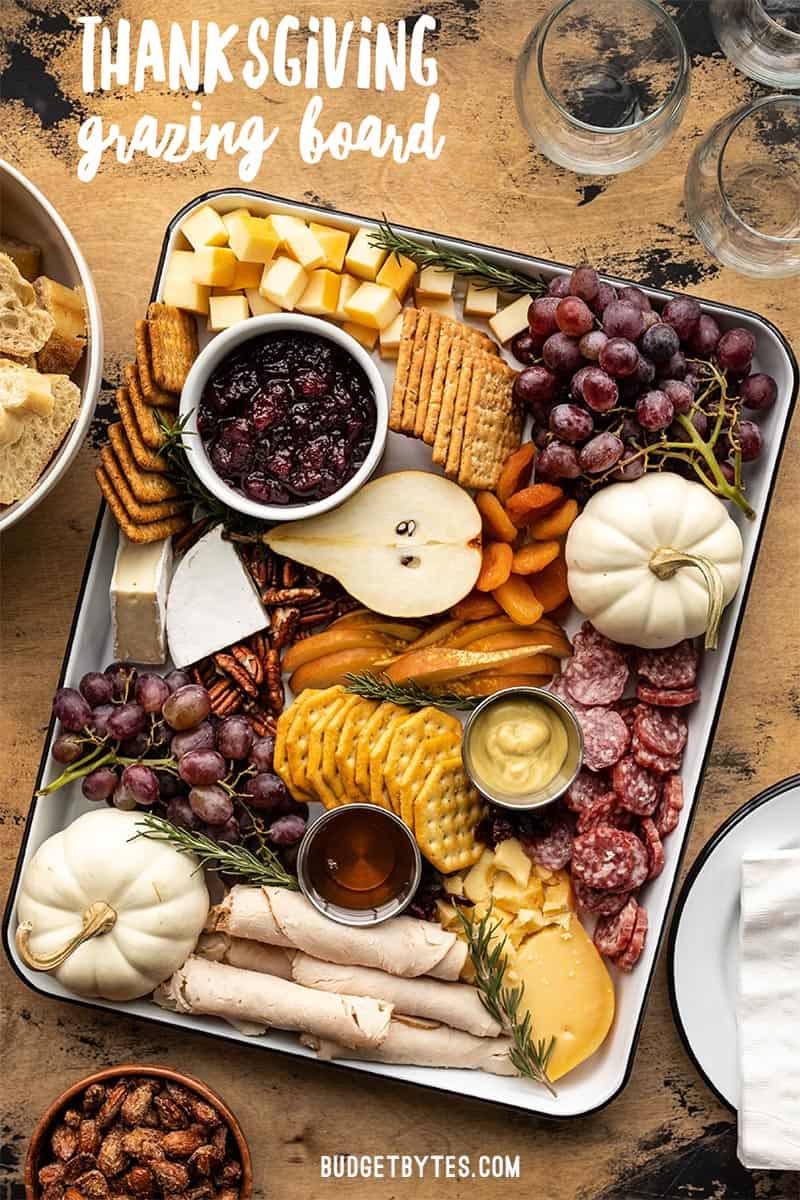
(666, 1136)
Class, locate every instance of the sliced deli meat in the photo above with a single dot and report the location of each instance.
(612, 934)
(606, 737)
(663, 732)
(675, 667)
(629, 957)
(599, 901)
(610, 859)
(596, 676)
(636, 789)
(668, 697)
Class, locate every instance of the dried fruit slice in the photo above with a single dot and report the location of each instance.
(532, 502)
(533, 558)
(516, 472)
(497, 525)
(555, 523)
(475, 607)
(517, 598)
(550, 585)
(495, 567)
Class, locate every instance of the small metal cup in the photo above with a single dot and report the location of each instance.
(561, 781)
(352, 916)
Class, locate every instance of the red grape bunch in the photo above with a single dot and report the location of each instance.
(146, 741)
(616, 388)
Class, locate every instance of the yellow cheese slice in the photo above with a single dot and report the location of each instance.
(252, 239)
(247, 275)
(511, 858)
(186, 294)
(299, 241)
(435, 284)
(390, 337)
(347, 285)
(480, 302)
(397, 273)
(225, 311)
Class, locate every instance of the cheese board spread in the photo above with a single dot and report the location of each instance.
(449, 545)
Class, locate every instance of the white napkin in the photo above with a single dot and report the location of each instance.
(769, 1012)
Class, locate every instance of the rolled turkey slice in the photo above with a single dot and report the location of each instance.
(421, 1046)
(401, 946)
(250, 956)
(454, 1004)
(253, 1003)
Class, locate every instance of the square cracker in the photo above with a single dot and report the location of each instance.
(147, 459)
(472, 369)
(147, 486)
(448, 335)
(444, 425)
(446, 811)
(152, 531)
(146, 415)
(492, 431)
(173, 345)
(138, 511)
(409, 329)
(435, 322)
(347, 748)
(411, 396)
(151, 394)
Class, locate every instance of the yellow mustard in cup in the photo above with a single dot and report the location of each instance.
(518, 746)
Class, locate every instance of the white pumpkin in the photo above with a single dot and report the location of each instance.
(111, 914)
(654, 561)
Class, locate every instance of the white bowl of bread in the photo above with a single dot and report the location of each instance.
(51, 347)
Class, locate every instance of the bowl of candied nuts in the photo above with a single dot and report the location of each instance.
(139, 1132)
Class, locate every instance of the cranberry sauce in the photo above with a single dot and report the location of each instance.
(287, 418)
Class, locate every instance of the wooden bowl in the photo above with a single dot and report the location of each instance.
(46, 1122)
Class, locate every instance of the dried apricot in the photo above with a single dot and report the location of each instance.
(496, 566)
(497, 524)
(530, 559)
(516, 472)
(556, 522)
(489, 683)
(532, 502)
(518, 599)
(475, 607)
(551, 585)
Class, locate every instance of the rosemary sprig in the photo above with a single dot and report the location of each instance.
(471, 267)
(529, 1056)
(180, 470)
(266, 871)
(408, 695)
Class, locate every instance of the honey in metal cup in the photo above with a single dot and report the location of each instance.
(359, 864)
(564, 775)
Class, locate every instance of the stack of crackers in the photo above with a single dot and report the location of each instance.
(339, 749)
(133, 474)
(454, 391)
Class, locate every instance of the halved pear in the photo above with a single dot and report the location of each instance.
(406, 545)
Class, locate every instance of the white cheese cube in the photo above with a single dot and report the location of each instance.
(231, 219)
(205, 227)
(224, 311)
(334, 242)
(212, 601)
(363, 259)
(511, 320)
(446, 307)
(300, 242)
(390, 337)
(139, 600)
(214, 266)
(373, 305)
(259, 305)
(283, 282)
(435, 284)
(347, 285)
(321, 295)
(365, 335)
(398, 273)
(480, 302)
(186, 294)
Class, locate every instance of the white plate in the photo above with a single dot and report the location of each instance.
(600, 1079)
(704, 940)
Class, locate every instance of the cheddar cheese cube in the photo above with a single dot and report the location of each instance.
(364, 334)
(205, 227)
(334, 242)
(214, 266)
(252, 239)
(363, 259)
(347, 285)
(321, 295)
(390, 337)
(258, 304)
(229, 219)
(181, 265)
(511, 320)
(180, 292)
(283, 282)
(446, 307)
(247, 275)
(435, 284)
(225, 311)
(373, 305)
(397, 273)
(298, 240)
(480, 302)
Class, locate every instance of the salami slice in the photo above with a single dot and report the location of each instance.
(612, 935)
(664, 732)
(586, 787)
(668, 697)
(629, 957)
(609, 859)
(657, 763)
(637, 790)
(655, 849)
(588, 638)
(599, 812)
(675, 667)
(627, 710)
(595, 900)
(668, 813)
(558, 688)
(606, 737)
(596, 676)
(551, 849)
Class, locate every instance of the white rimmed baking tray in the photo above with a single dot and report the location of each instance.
(599, 1080)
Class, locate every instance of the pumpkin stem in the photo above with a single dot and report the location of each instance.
(98, 918)
(664, 564)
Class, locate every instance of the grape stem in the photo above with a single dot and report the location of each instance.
(90, 762)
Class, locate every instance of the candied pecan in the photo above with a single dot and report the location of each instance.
(73, 1193)
(120, 1196)
(180, 1094)
(206, 1114)
(143, 1144)
(139, 1181)
(228, 1193)
(229, 666)
(109, 1109)
(78, 1165)
(172, 1115)
(136, 1103)
(151, 1119)
(256, 563)
(93, 1184)
(93, 1097)
(52, 1173)
(171, 1176)
(55, 1191)
(261, 722)
(88, 1136)
(180, 1143)
(200, 1191)
(275, 691)
(71, 1117)
(317, 615)
(230, 1172)
(111, 1158)
(64, 1142)
(204, 1160)
(290, 573)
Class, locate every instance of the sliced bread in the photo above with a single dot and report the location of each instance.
(24, 327)
(22, 463)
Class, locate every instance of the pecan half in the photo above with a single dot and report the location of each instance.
(88, 1136)
(109, 1109)
(204, 1113)
(145, 1145)
(225, 698)
(55, 1191)
(73, 1193)
(228, 1193)
(111, 1157)
(228, 665)
(204, 1160)
(230, 1173)
(170, 1176)
(284, 623)
(249, 660)
(71, 1117)
(219, 1140)
(64, 1142)
(289, 595)
(276, 695)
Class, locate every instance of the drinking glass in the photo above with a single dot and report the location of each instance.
(761, 38)
(743, 188)
(602, 85)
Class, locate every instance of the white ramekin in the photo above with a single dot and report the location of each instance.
(218, 349)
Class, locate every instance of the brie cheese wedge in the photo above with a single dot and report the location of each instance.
(139, 600)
